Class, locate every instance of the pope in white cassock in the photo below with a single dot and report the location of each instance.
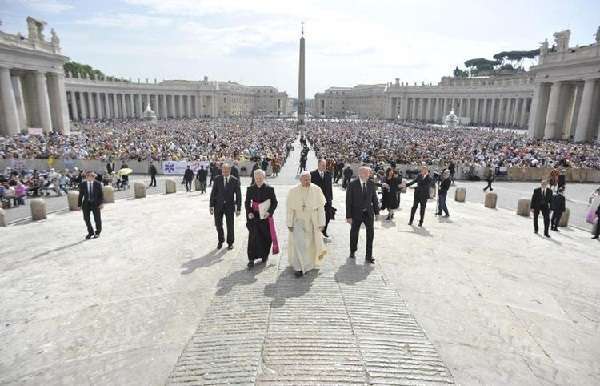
(305, 221)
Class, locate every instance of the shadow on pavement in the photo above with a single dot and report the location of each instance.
(351, 273)
(211, 258)
(242, 277)
(58, 249)
(288, 286)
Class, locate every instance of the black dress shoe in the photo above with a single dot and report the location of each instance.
(352, 256)
(410, 222)
(595, 238)
(298, 274)
(265, 259)
(420, 223)
(230, 247)
(547, 235)
(370, 260)
(250, 264)
(220, 245)
(88, 236)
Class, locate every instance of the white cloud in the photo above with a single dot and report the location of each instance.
(47, 6)
(126, 21)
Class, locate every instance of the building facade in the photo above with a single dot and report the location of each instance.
(566, 101)
(35, 92)
(32, 82)
(559, 98)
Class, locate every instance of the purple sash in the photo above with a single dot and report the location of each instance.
(271, 228)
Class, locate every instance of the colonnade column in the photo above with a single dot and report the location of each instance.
(10, 121)
(552, 117)
(583, 130)
(43, 102)
(99, 112)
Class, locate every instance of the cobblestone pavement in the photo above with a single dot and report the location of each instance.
(342, 324)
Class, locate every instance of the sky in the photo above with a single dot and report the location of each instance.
(348, 42)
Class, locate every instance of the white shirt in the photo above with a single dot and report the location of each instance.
(90, 186)
(226, 180)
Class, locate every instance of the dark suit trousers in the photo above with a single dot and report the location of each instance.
(423, 203)
(327, 217)
(152, 180)
(219, 224)
(366, 219)
(87, 209)
(546, 215)
(556, 215)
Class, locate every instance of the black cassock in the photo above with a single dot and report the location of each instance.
(259, 238)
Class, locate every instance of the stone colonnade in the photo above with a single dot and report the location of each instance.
(111, 104)
(565, 109)
(501, 111)
(31, 98)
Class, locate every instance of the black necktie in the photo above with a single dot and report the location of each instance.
(364, 189)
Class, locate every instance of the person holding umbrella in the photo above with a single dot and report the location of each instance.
(123, 174)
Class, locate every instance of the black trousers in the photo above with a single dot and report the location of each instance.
(368, 220)
(546, 216)
(87, 209)
(327, 217)
(153, 180)
(219, 225)
(442, 204)
(556, 215)
(202, 186)
(188, 185)
(489, 185)
(418, 201)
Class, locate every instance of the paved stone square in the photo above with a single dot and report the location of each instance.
(473, 299)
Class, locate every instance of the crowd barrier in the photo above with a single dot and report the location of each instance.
(138, 167)
(462, 172)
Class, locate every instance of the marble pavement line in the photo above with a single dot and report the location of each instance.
(342, 325)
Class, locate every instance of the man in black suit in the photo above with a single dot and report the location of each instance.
(421, 195)
(225, 198)
(91, 199)
(201, 176)
(362, 206)
(322, 178)
(152, 171)
(540, 202)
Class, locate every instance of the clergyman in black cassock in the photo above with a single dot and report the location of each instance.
(259, 232)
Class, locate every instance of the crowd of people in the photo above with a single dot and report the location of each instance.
(173, 140)
(373, 142)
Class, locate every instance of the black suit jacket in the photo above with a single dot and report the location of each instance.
(357, 202)
(96, 197)
(541, 201)
(423, 185)
(226, 199)
(325, 183)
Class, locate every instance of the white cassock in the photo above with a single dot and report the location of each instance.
(306, 214)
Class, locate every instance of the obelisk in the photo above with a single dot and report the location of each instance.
(301, 79)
